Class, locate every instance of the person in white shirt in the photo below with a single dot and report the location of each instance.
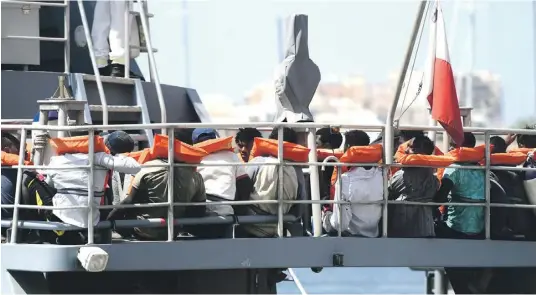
(222, 183)
(108, 35)
(359, 184)
(72, 185)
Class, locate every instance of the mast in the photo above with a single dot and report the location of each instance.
(534, 49)
(472, 46)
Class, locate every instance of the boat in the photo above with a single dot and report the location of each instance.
(59, 72)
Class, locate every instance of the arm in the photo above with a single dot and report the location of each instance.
(446, 186)
(199, 196)
(135, 195)
(117, 163)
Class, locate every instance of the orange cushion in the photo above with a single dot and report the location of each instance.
(464, 154)
(291, 151)
(216, 145)
(11, 159)
(183, 152)
(77, 144)
(322, 154)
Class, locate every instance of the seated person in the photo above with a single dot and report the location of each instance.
(72, 185)
(10, 145)
(417, 184)
(327, 138)
(150, 185)
(244, 141)
(265, 187)
(118, 142)
(463, 185)
(358, 184)
(222, 183)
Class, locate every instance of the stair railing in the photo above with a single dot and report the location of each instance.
(98, 80)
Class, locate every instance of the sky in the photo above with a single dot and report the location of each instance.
(233, 46)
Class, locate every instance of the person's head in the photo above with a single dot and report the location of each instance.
(328, 138)
(355, 138)
(499, 144)
(469, 141)
(405, 135)
(203, 134)
(244, 141)
(10, 144)
(527, 141)
(420, 144)
(184, 135)
(119, 142)
(289, 135)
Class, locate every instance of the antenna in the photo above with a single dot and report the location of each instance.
(534, 44)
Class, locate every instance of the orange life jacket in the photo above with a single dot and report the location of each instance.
(291, 151)
(12, 159)
(77, 144)
(216, 145)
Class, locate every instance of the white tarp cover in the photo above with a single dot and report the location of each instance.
(297, 77)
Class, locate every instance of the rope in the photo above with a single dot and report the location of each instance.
(297, 281)
(403, 111)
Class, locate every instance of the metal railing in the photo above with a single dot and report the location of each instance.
(66, 28)
(280, 219)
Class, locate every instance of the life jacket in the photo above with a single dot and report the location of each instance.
(12, 159)
(356, 154)
(511, 158)
(522, 150)
(77, 144)
(216, 145)
(322, 154)
(183, 152)
(135, 155)
(414, 160)
(291, 151)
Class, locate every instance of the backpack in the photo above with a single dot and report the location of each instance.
(35, 191)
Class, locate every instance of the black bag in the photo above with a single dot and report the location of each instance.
(35, 191)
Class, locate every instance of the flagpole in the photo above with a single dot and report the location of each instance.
(389, 132)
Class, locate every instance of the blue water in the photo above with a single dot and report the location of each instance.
(364, 280)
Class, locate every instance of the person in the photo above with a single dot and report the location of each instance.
(464, 185)
(499, 145)
(118, 142)
(327, 138)
(10, 145)
(244, 141)
(72, 185)
(413, 184)
(526, 140)
(222, 183)
(108, 36)
(265, 180)
(150, 185)
(358, 184)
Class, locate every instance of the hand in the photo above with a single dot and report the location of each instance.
(510, 138)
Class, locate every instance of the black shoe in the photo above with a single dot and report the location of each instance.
(118, 71)
(105, 71)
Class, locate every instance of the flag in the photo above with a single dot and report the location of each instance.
(439, 84)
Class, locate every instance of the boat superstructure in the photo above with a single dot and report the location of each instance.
(229, 265)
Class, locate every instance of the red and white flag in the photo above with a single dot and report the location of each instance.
(438, 83)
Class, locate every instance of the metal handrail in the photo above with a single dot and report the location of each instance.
(281, 163)
(66, 29)
(152, 64)
(98, 79)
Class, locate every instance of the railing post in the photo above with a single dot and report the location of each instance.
(127, 39)
(171, 199)
(487, 185)
(90, 192)
(385, 173)
(18, 188)
(314, 179)
(280, 143)
(66, 35)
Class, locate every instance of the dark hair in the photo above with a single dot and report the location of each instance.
(469, 140)
(10, 141)
(406, 135)
(289, 135)
(119, 142)
(356, 138)
(184, 135)
(525, 140)
(247, 134)
(422, 145)
(330, 137)
(499, 144)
